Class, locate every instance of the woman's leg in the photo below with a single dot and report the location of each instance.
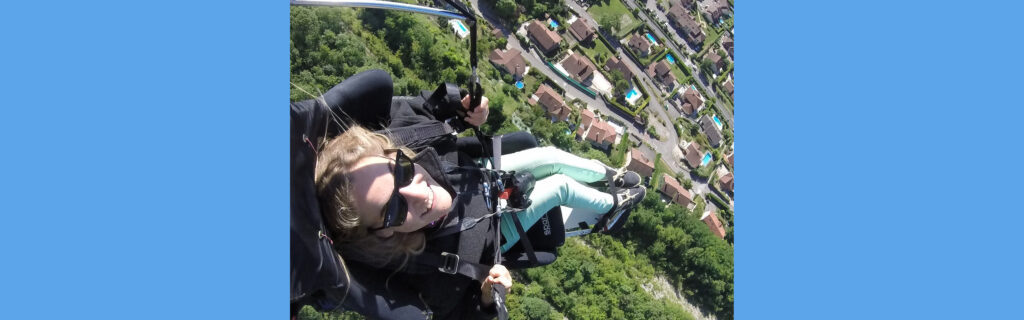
(547, 161)
(556, 190)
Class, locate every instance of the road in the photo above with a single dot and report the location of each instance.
(654, 26)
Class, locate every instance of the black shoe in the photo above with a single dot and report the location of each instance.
(625, 201)
(626, 179)
(620, 178)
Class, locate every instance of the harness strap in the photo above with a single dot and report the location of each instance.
(465, 225)
(411, 136)
(451, 263)
(524, 240)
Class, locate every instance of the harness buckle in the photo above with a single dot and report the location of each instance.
(450, 265)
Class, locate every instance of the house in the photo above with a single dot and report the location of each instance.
(729, 159)
(614, 64)
(728, 86)
(691, 102)
(581, 30)
(727, 44)
(602, 135)
(688, 4)
(717, 63)
(675, 192)
(715, 10)
(711, 130)
(511, 61)
(639, 163)
(578, 67)
(693, 155)
(547, 40)
(725, 182)
(681, 19)
(599, 133)
(553, 103)
(639, 44)
(662, 72)
(711, 219)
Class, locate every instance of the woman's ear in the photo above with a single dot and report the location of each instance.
(384, 233)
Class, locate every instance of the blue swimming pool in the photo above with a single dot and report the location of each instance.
(553, 23)
(461, 26)
(707, 158)
(717, 122)
(631, 94)
(519, 84)
(670, 58)
(649, 37)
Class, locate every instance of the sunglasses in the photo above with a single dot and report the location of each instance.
(394, 212)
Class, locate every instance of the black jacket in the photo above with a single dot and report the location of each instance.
(317, 277)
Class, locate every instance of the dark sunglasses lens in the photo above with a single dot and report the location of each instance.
(396, 211)
(403, 170)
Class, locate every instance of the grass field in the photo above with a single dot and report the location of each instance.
(597, 47)
(615, 8)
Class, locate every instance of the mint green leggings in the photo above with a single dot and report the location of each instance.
(558, 175)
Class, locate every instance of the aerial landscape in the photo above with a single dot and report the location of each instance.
(641, 84)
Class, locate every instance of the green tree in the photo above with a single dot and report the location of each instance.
(610, 22)
(620, 83)
(506, 9)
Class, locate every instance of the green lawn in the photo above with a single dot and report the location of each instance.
(596, 47)
(530, 83)
(681, 76)
(615, 8)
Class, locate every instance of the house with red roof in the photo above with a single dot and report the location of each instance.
(639, 163)
(725, 182)
(510, 61)
(599, 133)
(552, 103)
(578, 67)
(547, 40)
(662, 72)
(675, 192)
(581, 30)
(693, 155)
(716, 226)
(614, 64)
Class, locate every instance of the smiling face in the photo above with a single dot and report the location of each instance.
(373, 184)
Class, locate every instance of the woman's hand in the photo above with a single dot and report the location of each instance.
(476, 117)
(498, 275)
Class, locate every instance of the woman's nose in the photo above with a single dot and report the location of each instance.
(416, 193)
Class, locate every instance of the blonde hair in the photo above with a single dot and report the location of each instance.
(334, 164)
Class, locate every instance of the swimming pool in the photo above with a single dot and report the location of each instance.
(717, 122)
(631, 94)
(553, 23)
(519, 85)
(707, 158)
(649, 37)
(459, 28)
(670, 58)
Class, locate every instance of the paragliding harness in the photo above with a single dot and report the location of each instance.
(505, 193)
(315, 266)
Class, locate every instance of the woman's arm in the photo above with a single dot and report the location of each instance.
(364, 98)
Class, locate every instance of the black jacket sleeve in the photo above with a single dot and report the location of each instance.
(364, 98)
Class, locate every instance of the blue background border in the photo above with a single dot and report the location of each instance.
(145, 162)
(879, 159)
(145, 169)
